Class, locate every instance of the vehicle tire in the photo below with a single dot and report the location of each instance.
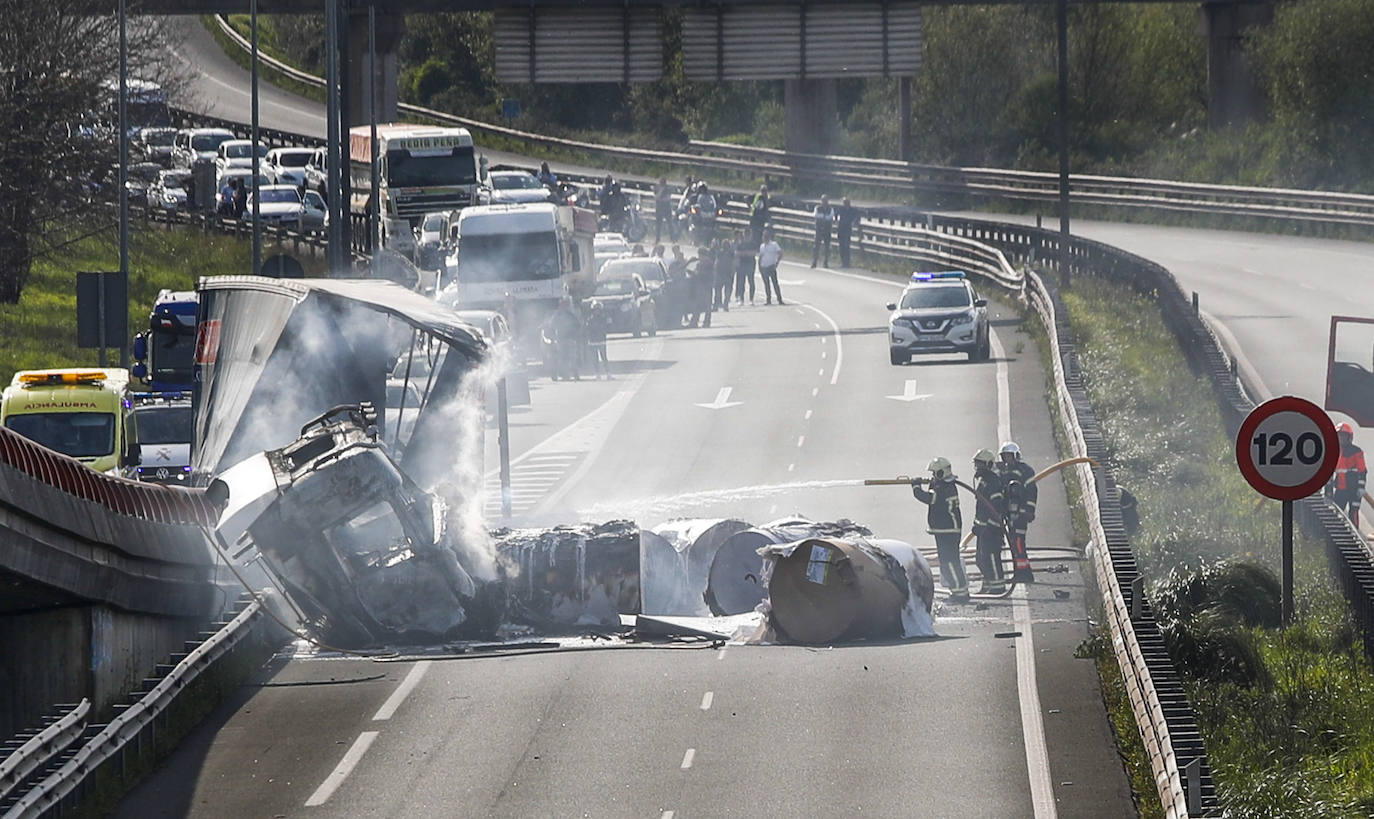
(898, 359)
(985, 351)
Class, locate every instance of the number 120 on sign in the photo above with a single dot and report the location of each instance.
(1287, 448)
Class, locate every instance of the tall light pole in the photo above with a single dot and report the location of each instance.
(253, 149)
(374, 234)
(1063, 123)
(123, 180)
(335, 252)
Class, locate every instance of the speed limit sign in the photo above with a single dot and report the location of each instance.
(1287, 448)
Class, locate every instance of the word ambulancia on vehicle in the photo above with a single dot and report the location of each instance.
(938, 312)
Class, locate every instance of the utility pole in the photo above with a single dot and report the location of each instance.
(335, 252)
(1062, 15)
(374, 234)
(123, 184)
(253, 150)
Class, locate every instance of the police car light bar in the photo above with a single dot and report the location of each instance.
(944, 274)
(161, 396)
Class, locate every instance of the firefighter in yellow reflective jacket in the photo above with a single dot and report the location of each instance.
(944, 521)
(989, 514)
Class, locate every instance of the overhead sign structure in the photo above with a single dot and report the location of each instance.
(1287, 448)
(580, 43)
(789, 41)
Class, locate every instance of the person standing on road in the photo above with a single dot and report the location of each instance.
(702, 288)
(990, 512)
(744, 269)
(944, 521)
(824, 216)
(1021, 495)
(1346, 487)
(597, 326)
(770, 255)
(565, 332)
(663, 211)
(240, 197)
(547, 178)
(725, 272)
(759, 215)
(846, 225)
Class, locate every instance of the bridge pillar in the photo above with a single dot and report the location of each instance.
(812, 116)
(361, 73)
(1232, 96)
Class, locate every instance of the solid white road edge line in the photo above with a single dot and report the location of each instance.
(1032, 725)
(340, 773)
(412, 679)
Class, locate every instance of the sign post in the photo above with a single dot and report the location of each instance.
(1287, 449)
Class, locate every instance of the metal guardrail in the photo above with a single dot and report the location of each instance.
(42, 747)
(49, 791)
(1287, 204)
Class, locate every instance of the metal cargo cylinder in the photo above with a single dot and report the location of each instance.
(733, 583)
(675, 560)
(827, 590)
(571, 575)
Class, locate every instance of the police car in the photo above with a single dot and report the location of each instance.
(938, 313)
(162, 423)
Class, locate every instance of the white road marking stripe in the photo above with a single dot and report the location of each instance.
(402, 691)
(839, 345)
(791, 467)
(801, 439)
(720, 655)
(815, 391)
(342, 770)
(667, 814)
(706, 700)
(821, 371)
(824, 355)
(808, 416)
(1032, 725)
(688, 757)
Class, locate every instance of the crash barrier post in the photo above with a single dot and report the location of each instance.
(49, 791)
(1278, 204)
(988, 248)
(38, 749)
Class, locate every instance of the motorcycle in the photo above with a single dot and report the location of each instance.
(701, 218)
(626, 221)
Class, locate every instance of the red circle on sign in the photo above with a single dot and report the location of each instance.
(1267, 410)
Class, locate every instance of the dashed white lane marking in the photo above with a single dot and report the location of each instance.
(342, 770)
(824, 356)
(808, 416)
(667, 814)
(801, 439)
(772, 509)
(839, 344)
(821, 371)
(720, 655)
(706, 700)
(791, 467)
(688, 757)
(1028, 690)
(815, 391)
(402, 691)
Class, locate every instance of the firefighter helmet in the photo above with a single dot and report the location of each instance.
(1010, 452)
(1345, 429)
(940, 469)
(984, 458)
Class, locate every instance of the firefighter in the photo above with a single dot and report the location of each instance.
(944, 521)
(1021, 494)
(990, 512)
(1346, 487)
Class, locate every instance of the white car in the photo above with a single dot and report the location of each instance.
(287, 165)
(243, 175)
(431, 238)
(193, 144)
(607, 246)
(282, 206)
(938, 313)
(238, 153)
(168, 191)
(514, 187)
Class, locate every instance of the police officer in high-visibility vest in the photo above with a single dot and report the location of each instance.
(990, 512)
(944, 521)
(1021, 493)
(1346, 487)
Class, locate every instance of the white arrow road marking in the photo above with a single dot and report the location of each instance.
(722, 400)
(909, 393)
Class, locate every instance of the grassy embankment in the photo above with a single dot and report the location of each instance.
(40, 331)
(1287, 714)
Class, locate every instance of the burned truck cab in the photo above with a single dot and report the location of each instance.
(359, 548)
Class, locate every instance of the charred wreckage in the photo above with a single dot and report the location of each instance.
(372, 538)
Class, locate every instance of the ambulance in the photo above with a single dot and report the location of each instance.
(81, 412)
